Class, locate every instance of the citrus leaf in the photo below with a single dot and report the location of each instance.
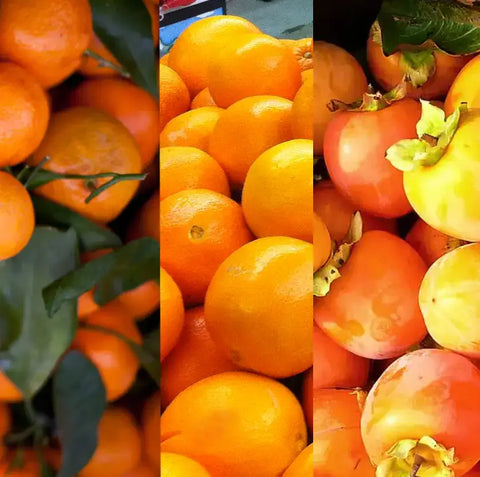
(79, 401)
(124, 26)
(447, 24)
(31, 342)
(90, 235)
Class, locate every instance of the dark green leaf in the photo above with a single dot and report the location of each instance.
(151, 345)
(47, 471)
(90, 235)
(31, 342)
(124, 26)
(453, 27)
(79, 401)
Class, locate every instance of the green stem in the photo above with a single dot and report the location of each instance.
(21, 436)
(24, 172)
(103, 63)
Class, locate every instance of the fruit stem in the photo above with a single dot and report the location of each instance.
(103, 63)
(417, 463)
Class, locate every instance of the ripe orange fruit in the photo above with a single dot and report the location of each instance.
(176, 465)
(88, 141)
(204, 98)
(142, 470)
(114, 358)
(194, 357)
(303, 51)
(192, 128)
(131, 105)
(5, 420)
(8, 391)
(263, 121)
(175, 98)
(302, 111)
(236, 424)
(141, 301)
(164, 59)
(17, 219)
(251, 65)
(194, 48)
(46, 38)
(147, 220)
(86, 305)
(90, 67)
(20, 462)
(171, 306)
(151, 430)
(307, 74)
(153, 10)
(254, 331)
(199, 228)
(24, 114)
(119, 445)
(464, 88)
(302, 466)
(322, 242)
(184, 168)
(307, 397)
(277, 195)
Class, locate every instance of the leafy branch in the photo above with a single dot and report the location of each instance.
(104, 63)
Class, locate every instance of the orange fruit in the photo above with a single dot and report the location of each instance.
(86, 305)
(248, 128)
(136, 109)
(176, 465)
(155, 17)
(199, 228)
(114, 358)
(194, 357)
(17, 219)
(91, 67)
(8, 391)
(307, 74)
(119, 445)
(254, 331)
(151, 429)
(147, 220)
(20, 462)
(175, 98)
(235, 424)
(172, 313)
(5, 420)
(184, 168)
(277, 195)
(302, 111)
(465, 87)
(307, 397)
(24, 114)
(142, 470)
(342, 78)
(46, 38)
(88, 141)
(164, 59)
(322, 248)
(204, 98)
(252, 65)
(194, 48)
(303, 51)
(302, 466)
(192, 128)
(141, 301)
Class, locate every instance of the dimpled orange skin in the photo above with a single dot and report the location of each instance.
(193, 49)
(303, 51)
(302, 466)
(194, 357)
(252, 65)
(222, 423)
(24, 116)
(199, 228)
(134, 107)
(204, 98)
(190, 168)
(302, 111)
(119, 445)
(465, 87)
(90, 67)
(381, 319)
(277, 194)
(47, 38)
(247, 129)
(176, 465)
(147, 220)
(251, 330)
(88, 141)
(151, 430)
(427, 392)
(17, 219)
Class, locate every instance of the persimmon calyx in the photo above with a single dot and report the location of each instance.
(418, 66)
(417, 458)
(434, 132)
(326, 275)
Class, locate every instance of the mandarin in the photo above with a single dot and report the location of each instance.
(175, 98)
(176, 465)
(151, 429)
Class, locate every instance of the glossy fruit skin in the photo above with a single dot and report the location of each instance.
(277, 194)
(388, 72)
(254, 332)
(204, 98)
(302, 111)
(342, 78)
(355, 146)
(90, 66)
(221, 423)
(428, 392)
(465, 87)
(175, 465)
(307, 398)
(252, 65)
(151, 430)
(199, 229)
(25, 114)
(147, 221)
(8, 391)
(302, 466)
(455, 211)
(338, 450)
(175, 99)
(141, 301)
(303, 51)
(46, 38)
(450, 303)
(381, 319)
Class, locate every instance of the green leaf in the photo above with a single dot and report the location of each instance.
(90, 235)
(79, 401)
(31, 342)
(447, 24)
(418, 66)
(124, 26)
